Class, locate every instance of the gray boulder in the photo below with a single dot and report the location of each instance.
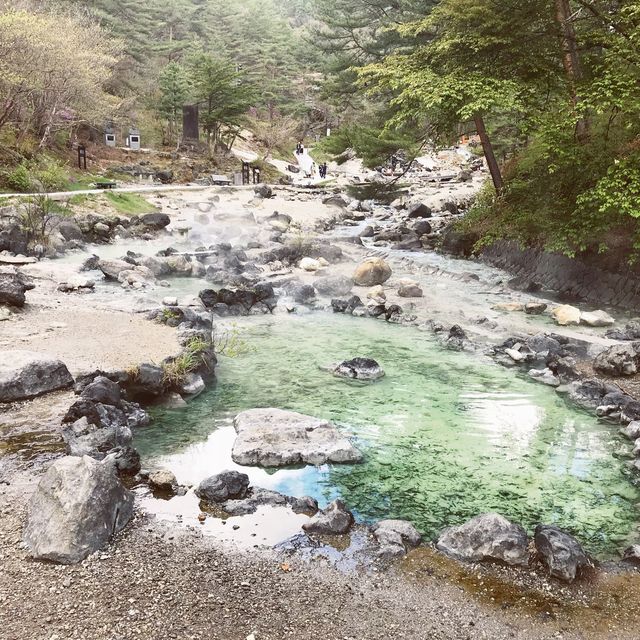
(560, 552)
(13, 286)
(619, 360)
(155, 221)
(395, 537)
(78, 505)
(275, 438)
(113, 268)
(26, 374)
(228, 485)
(102, 390)
(359, 369)
(489, 536)
(419, 210)
(333, 286)
(263, 191)
(334, 520)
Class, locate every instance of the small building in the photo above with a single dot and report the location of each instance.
(110, 136)
(133, 139)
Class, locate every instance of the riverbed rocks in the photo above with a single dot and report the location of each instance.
(78, 505)
(358, 369)
(260, 297)
(335, 519)
(619, 360)
(489, 536)
(27, 374)
(163, 481)
(597, 319)
(371, 272)
(257, 497)
(13, 286)
(275, 438)
(333, 286)
(560, 553)
(395, 537)
(566, 315)
(410, 289)
(227, 485)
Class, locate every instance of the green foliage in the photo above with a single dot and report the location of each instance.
(18, 179)
(229, 342)
(173, 85)
(373, 145)
(129, 203)
(43, 174)
(39, 217)
(223, 95)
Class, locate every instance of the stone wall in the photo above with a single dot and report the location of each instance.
(598, 279)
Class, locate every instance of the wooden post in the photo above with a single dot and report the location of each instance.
(82, 157)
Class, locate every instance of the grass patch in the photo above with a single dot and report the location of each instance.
(129, 203)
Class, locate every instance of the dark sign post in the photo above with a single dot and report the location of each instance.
(246, 172)
(82, 157)
(190, 129)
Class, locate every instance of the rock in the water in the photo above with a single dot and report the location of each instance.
(419, 210)
(394, 536)
(489, 536)
(228, 485)
(26, 374)
(334, 520)
(371, 272)
(310, 264)
(333, 285)
(162, 480)
(566, 314)
(410, 291)
(597, 319)
(113, 268)
(535, 308)
(560, 552)
(619, 360)
(275, 438)
(155, 221)
(359, 368)
(78, 505)
(257, 497)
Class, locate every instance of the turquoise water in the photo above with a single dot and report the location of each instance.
(445, 435)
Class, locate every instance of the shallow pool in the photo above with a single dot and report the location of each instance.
(446, 435)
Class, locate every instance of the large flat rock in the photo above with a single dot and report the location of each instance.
(27, 374)
(276, 438)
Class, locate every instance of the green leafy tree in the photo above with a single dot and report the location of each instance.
(174, 89)
(224, 98)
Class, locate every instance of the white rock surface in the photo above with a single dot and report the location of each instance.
(275, 438)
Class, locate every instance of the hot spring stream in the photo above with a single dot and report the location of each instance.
(445, 435)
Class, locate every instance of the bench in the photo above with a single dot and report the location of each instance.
(106, 185)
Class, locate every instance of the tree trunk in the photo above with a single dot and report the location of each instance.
(571, 60)
(487, 147)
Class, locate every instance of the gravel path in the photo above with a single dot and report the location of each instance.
(160, 583)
